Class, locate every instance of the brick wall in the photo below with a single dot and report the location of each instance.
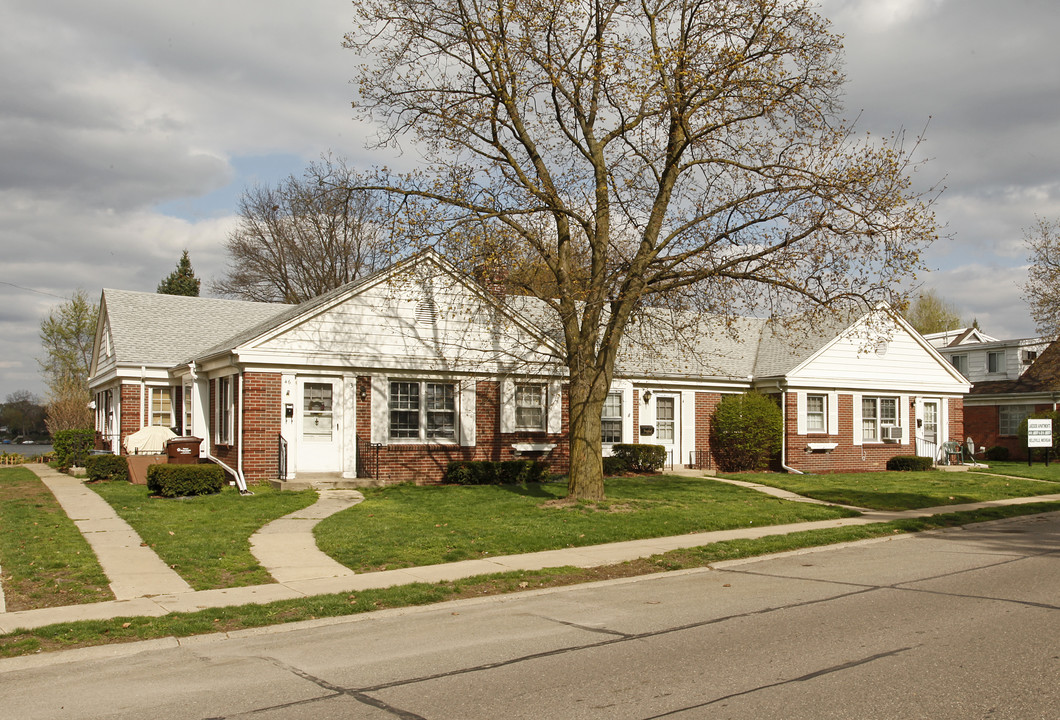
(131, 400)
(982, 424)
(706, 404)
(847, 457)
(426, 463)
(262, 410)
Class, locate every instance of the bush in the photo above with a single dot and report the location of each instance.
(72, 446)
(746, 431)
(107, 467)
(998, 453)
(641, 458)
(910, 463)
(614, 466)
(180, 480)
(1041, 415)
(486, 472)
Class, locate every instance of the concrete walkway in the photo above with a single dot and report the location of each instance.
(287, 549)
(286, 545)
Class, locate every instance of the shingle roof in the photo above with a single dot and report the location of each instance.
(156, 329)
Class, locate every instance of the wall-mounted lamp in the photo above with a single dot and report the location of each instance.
(362, 393)
(646, 395)
(912, 399)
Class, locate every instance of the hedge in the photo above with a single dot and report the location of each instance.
(614, 466)
(487, 472)
(910, 463)
(181, 480)
(746, 432)
(107, 467)
(72, 446)
(642, 457)
(998, 452)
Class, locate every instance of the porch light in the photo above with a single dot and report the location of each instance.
(647, 395)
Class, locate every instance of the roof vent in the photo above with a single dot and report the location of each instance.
(426, 312)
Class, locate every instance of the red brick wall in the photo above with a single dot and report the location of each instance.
(847, 457)
(262, 410)
(982, 424)
(706, 404)
(131, 400)
(426, 463)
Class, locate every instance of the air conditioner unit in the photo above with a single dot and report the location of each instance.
(892, 433)
(1029, 356)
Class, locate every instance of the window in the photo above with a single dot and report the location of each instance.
(876, 412)
(161, 407)
(422, 410)
(960, 362)
(224, 410)
(611, 419)
(995, 362)
(1010, 416)
(530, 407)
(317, 417)
(817, 413)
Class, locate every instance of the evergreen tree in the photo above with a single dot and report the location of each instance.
(181, 281)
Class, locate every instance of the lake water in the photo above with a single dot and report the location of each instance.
(27, 450)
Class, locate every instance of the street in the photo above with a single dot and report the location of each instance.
(961, 624)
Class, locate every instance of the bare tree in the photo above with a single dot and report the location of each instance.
(304, 237)
(929, 313)
(1042, 290)
(681, 152)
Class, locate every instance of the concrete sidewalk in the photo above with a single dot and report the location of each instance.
(328, 577)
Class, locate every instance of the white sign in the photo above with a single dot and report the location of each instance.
(1039, 433)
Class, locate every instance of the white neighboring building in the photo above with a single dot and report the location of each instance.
(983, 358)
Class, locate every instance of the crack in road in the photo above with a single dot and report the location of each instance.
(902, 586)
(781, 683)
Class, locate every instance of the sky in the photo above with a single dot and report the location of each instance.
(128, 131)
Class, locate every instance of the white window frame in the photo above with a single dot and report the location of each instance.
(521, 395)
(960, 363)
(876, 421)
(152, 414)
(820, 414)
(423, 432)
(225, 429)
(995, 362)
(1009, 418)
(617, 419)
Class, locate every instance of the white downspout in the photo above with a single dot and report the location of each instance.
(784, 435)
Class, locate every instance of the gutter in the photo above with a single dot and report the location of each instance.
(241, 481)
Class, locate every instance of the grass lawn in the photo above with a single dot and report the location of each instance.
(46, 561)
(1037, 471)
(902, 490)
(409, 525)
(128, 629)
(206, 539)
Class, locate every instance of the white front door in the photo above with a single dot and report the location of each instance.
(668, 425)
(318, 421)
(928, 433)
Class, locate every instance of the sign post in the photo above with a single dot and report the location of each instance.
(1039, 434)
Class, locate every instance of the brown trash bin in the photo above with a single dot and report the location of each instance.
(138, 465)
(183, 450)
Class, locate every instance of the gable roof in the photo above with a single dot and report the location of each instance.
(153, 329)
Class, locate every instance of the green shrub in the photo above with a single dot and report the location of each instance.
(641, 457)
(72, 446)
(182, 480)
(998, 453)
(614, 466)
(910, 463)
(1041, 415)
(107, 467)
(486, 472)
(746, 432)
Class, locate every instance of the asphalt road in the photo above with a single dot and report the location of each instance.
(961, 624)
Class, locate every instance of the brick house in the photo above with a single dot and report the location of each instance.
(995, 408)
(394, 375)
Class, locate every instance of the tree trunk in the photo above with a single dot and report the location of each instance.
(586, 479)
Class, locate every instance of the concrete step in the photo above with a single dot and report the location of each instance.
(324, 482)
